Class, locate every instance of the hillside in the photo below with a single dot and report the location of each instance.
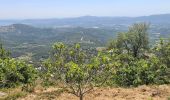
(23, 39)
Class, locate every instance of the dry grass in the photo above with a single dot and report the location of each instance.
(161, 92)
(13, 94)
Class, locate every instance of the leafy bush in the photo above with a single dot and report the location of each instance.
(14, 72)
(142, 71)
(162, 50)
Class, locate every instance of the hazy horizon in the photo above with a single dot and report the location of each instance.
(79, 17)
(43, 9)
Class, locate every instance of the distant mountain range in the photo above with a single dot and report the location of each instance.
(91, 21)
(91, 31)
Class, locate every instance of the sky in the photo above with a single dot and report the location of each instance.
(29, 9)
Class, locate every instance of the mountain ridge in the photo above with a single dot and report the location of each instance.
(91, 21)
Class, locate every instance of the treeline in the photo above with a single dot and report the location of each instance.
(128, 60)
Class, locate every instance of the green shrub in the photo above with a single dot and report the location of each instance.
(140, 72)
(14, 72)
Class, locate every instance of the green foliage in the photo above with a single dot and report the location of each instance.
(14, 72)
(140, 72)
(3, 53)
(133, 42)
(72, 66)
(163, 51)
(138, 65)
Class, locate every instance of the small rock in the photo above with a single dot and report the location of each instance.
(2, 94)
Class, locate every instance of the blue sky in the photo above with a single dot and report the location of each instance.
(25, 9)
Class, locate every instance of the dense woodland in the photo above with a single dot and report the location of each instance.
(129, 60)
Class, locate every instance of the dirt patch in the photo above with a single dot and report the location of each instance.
(161, 92)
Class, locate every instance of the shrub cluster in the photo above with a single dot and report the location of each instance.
(14, 72)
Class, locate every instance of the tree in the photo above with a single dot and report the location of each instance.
(135, 41)
(138, 38)
(76, 70)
